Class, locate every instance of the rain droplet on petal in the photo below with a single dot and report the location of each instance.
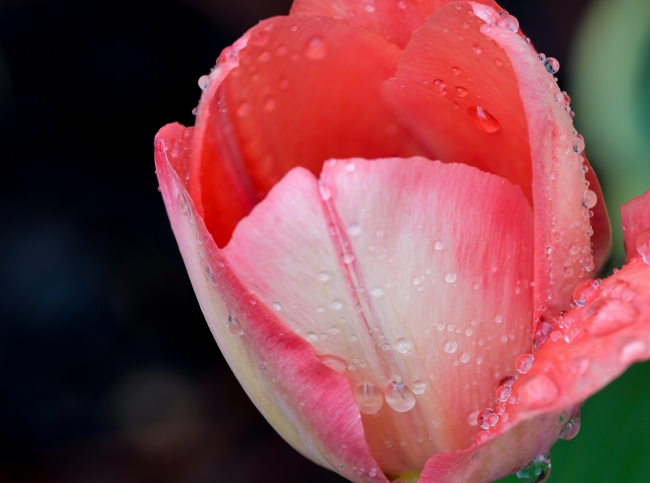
(579, 144)
(334, 363)
(571, 429)
(403, 345)
(234, 327)
(507, 381)
(316, 48)
(204, 82)
(368, 397)
(419, 387)
(450, 346)
(583, 291)
(464, 357)
(348, 258)
(461, 91)
(487, 418)
(438, 84)
(439, 245)
(503, 393)
(537, 471)
(524, 363)
(450, 277)
(552, 65)
(398, 396)
(483, 119)
(643, 246)
(312, 337)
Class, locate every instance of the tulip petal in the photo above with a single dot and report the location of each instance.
(394, 19)
(635, 215)
(600, 223)
(308, 403)
(399, 268)
(494, 107)
(299, 94)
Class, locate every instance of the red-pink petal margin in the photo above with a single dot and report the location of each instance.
(394, 19)
(600, 223)
(635, 216)
(562, 223)
(310, 405)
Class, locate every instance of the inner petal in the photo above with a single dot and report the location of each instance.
(411, 278)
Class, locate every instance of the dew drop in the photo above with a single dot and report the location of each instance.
(403, 345)
(368, 398)
(370, 8)
(323, 276)
(524, 363)
(464, 357)
(503, 393)
(419, 386)
(325, 192)
(583, 291)
(486, 418)
(450, 346)
(571, 429)
(552, 65)
(498, 319)
(401, 5)
(483, 119)
(579, 144)
(456, 70)
(348, 258)
(537, 471)
(643, 246)
(316, 49)
(450, 277)
(354, 230)
(336, 304)
(589, 199)
(508, 380)
(234, 327)
(243, 109)
(398, 396)
(440, 245)
(312, 337)
(276, 306)
(438, 84)
(204, 82)
(376, 292)
(461, 91)
(334, 363)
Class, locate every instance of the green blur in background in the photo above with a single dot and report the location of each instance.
(609, 77)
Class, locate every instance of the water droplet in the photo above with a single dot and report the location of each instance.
(541, 56)
(524, 363)
(537, 471)
(401, 5)
(510, 22)
(438, 84)
(643, 246)
(403, 345)
(487, 418)
(552, 65)
(316, 49)
(204, 82)
(312, 337)
(419, 386)
(537, 392)
(583, 291)
(579, 144)
(354, 230)
(503, 393)
(243, 109)
(323, 276)
(348, 258)
(450, 346)
(336, 304)
(325, 192)
(477, 50)
(334, 363)
(368, 398)
(259, 37)
(234, 327)
(439, 245)
(450, 277)
(498, 319)
(571, 429)
(456, 70)
(277, 306)
(608, 315)
(461, 91)
(398, 396)
(483, 119)
(464, 357)
(376, 292)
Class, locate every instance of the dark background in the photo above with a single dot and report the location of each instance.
(109, 372)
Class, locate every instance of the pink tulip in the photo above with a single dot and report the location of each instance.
(376, 305)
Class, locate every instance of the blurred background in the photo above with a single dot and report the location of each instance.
(109, 372)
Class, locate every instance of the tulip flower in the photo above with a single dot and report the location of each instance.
(385, 210)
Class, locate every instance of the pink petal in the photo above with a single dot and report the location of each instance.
(394, 19)
(600, 224)
(298, 94)
(399, 266)
(485, 99)
(309, 404)
(635, 215)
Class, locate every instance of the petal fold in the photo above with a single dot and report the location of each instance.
(635, 215)
(307, 402)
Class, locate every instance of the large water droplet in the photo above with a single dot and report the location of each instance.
(334, 363)
(579, 144)
(589, 199)
(403, 345)
(483, 119)
(571, 429)
(609, 315)
(398, 396)
(368, 398)
(204, 82)
(507, 381)
(537, 392)
(450, 346)
(234, 326)
(552, 65)
(503, 393)
(524, 363)
(537, 471)
(450, 277)
(316, 48)
(643, 246)
(487, 418)
(419, 386)
(583, 291)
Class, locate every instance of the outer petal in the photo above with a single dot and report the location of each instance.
(635, 215)
(394, 19)
(486, 100)
(600, 222)
(301, 90)
(309, 404)
(399, 269)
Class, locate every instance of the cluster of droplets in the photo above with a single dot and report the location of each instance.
(643, 246)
